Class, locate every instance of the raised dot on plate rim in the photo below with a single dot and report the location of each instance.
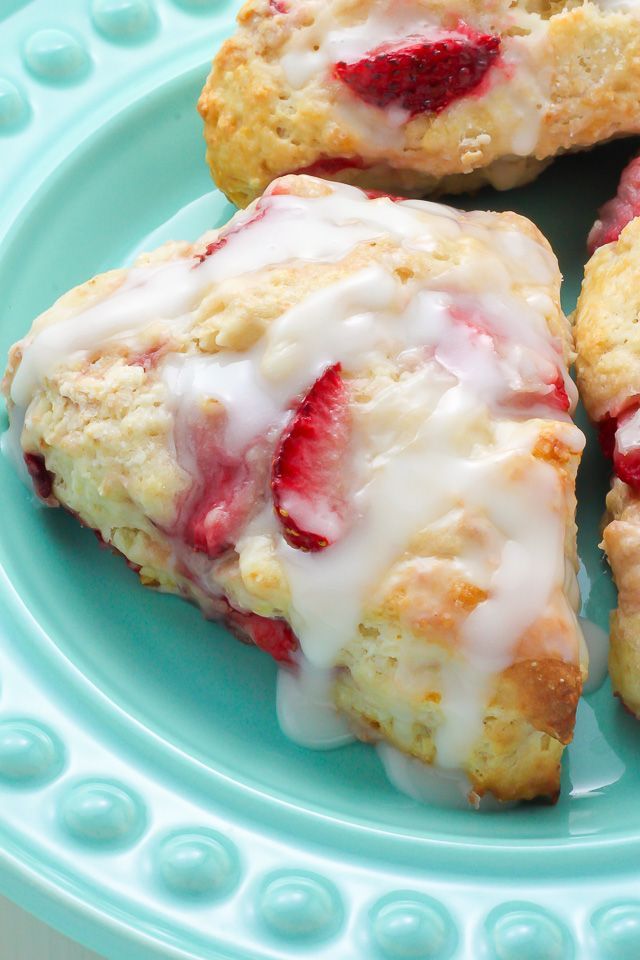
(300, 905)
(616, 926)
(36, 754)
(55, 56)
(409, 925)
(124, 20)
(513, 928)
(215, 868)
(102, 812)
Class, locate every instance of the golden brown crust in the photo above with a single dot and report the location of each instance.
(257, 127)
(607, 333)
(607, 326)
(621, 541)
(517, 756)
(543, 692)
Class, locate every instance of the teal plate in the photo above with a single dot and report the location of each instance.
(149, 805)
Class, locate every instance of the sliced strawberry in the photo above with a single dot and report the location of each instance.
(222, 508)
(278, 6)
(226, 490)
(618, 212)
(280, 187)
(626, 465)
(273, 636)
(423, 76)
(558, 398)
(307, 478)
(607, 435)
(41, 477)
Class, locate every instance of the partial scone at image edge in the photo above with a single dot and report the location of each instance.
(341, 424)
(608, 343)
(416, 97)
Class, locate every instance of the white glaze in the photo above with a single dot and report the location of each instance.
(628, 433)
(172, 290)
(526, 85)
(597, 641)
(386, 23)
(432, 784)
(427, 784)
(522, 77)
(258, 386)
(422, 445)
(232, 379)
(306, 713)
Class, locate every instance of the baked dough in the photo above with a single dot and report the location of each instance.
(607, 331)
(392, 377)
(559, 77)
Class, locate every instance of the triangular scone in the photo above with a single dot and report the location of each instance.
(342, 424)
(607, 332)
(417, 95)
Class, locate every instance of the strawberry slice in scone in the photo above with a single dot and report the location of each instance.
(608, 365)
(308, 475)
(341, 425)
(422, 76)
(619, 211)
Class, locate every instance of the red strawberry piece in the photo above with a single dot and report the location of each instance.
(228, 497)
(41, 477)
(376, 194)
(226, 488)
(325, 166)
(273, 636)
(627, 465)
(557, 398)
(278, 6)
(618, 212)
(307, 478)
(277, 189)
(607, 435)
(553, 395)
(424, 76)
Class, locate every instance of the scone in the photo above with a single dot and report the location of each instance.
(341, 424)
(417, 95)
(608, 343)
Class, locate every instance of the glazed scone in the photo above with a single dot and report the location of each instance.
(608, 365)
(342, 424)
(416, 96)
